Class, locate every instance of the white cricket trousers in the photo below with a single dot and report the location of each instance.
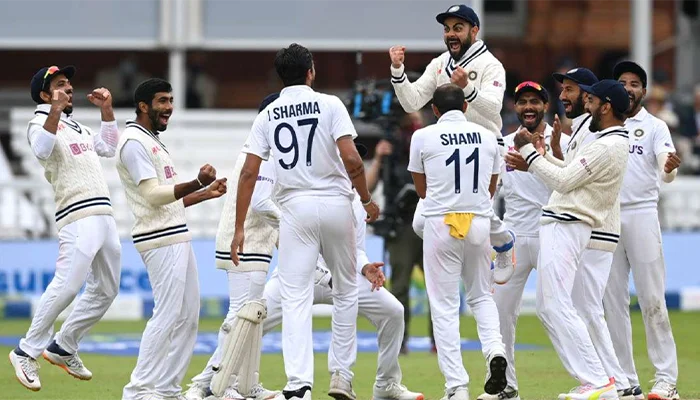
(587, 295)
(168, 341)
(309, 226)
(88, 251)
(447, 261)
(561, 247)
(640, 250)
(509, 296)
(380, 307)
(242, 287)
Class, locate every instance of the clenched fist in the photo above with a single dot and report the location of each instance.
(459, 77)
(672, 162)
(217, 189)
(397, 55)
(100, 97)
(207, 175)
(60, 99)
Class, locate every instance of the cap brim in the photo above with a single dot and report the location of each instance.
(362, 149)
(68, 71)
(560, 77)
(588, 89)
(530, 89)
(443, 16)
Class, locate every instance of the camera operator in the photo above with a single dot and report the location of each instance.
(405, 248)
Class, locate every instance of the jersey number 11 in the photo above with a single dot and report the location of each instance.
(454, 158)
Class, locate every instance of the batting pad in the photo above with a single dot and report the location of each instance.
(241, 352)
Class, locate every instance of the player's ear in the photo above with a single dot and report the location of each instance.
(46, 96)
(546, 106)
(464, 106)
(143, 107)
(435, 111)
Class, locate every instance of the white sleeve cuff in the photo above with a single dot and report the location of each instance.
(398, 75)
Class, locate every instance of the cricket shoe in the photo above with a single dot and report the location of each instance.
(395, 391)
(496, 380)
(341, 388)
(631, 393)
(197, 392)
(461, 393)
(232, 394)
(70, 363)
(300, 394)
(505, 261)
(258, 392)
(26, 369)
(590, 392)
(508, 393)
(663, 391)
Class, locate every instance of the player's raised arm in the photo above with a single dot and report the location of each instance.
(107, 138)
(412, 95)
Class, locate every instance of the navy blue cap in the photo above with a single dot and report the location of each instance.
(42, 79)
(460, 11)
(630, 66)
(610, 91)
(582, 76)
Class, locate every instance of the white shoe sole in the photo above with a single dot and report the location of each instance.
(55, 359)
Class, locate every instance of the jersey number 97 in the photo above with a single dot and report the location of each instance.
(293, 147)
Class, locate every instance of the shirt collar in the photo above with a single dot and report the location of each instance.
(615, 129)
(452, 116)
(473, 49)
(47, 108)
(640, 115)
(295, 88)
(577, 121)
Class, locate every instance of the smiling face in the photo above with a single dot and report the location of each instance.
(459, 36)
(530, 110)
(572, 97)
(635, 91)
(160, 110)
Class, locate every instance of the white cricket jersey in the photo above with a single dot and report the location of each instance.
(458, 158)
(649, 137)
(302, 127)
(525, 194)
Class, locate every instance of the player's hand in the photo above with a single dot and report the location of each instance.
(539, 143)
(60, 99)
(237, 246)
(459, 77)
(516, 161)
(217, 189)
(384, 148)
(397, 55)
(373, 272)
(372, 211)
(100, 97)
(672, 162)
(207, 174)
(523, 137)
(556, 132)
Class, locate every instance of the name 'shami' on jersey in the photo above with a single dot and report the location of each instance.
(451, 139)
(293, 110)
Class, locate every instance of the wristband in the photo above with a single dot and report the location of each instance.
(201, 185)
(367, 202)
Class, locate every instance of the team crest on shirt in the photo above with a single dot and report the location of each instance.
(638, 133)
(573, 145)
(547, 147)
(169, 171)
(472, 75)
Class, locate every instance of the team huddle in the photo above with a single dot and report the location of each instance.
(580, 208)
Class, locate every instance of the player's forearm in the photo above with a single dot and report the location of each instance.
(107, 114)
(412, 95)
(196, 198)
(555, 160)
(556, 151)
(183, 189)
(356, 171)
(667, 177)
(568, 178)
(51, 123)
(246, 185)
(486, 103)
(493, 185)
(106, 141)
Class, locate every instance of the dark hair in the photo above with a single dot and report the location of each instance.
(292, 63)
(618, 115)
(147, 90)
(448, 97)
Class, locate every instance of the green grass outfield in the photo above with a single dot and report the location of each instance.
(541, 375)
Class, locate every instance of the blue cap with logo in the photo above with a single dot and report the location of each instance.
(610, 91)
(582, 76)
(42, 79)
(460, 11)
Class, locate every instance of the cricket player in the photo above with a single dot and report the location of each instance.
(651, 156)
(452, 163)
(161, 236)
(89, 251)
(317, 165)
(525, 195)
(585, 192)
(247, 281)
(378, 305)
(468, 64)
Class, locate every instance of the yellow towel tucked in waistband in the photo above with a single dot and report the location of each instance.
(459, 224)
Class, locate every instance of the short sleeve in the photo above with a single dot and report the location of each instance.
(498, 162)
(137, 161)
(341, 124)
(258, 143)
(415, 160)
(662, 139)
